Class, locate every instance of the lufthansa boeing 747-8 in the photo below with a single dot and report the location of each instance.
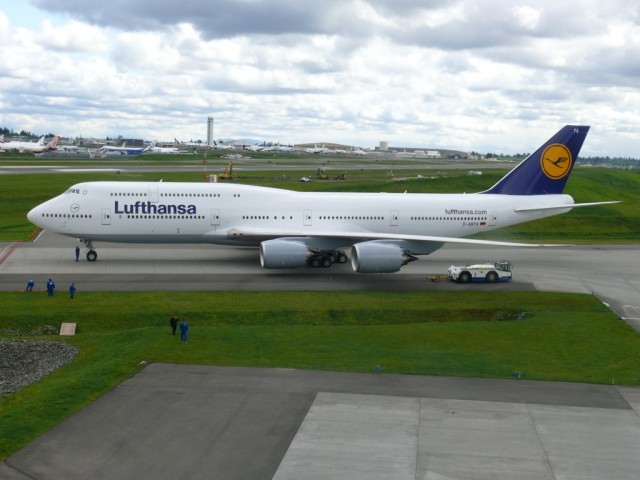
(384, 231)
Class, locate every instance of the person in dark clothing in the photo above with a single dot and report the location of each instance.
(30, 285)
(50, 287)
(174, 324)
(72, 290)
(77, 253)
(184, 330)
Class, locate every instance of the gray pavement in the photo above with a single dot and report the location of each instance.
(201, 422)
(180, 421)
(609, 272)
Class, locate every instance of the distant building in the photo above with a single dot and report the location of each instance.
(210, 139)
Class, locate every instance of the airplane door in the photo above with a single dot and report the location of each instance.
(493, 219)
(106, 216)
(153, 193)
(393, 218)
(215, 217)
(307, 218)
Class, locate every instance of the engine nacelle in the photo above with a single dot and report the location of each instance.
(283, 254)
(377, 257)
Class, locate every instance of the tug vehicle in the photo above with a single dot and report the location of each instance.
(486, 272)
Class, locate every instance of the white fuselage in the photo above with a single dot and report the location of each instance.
(218, 213)
(32, 147)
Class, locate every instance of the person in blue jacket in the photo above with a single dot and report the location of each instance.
(184, 330)
(50, 287)
(72, 290)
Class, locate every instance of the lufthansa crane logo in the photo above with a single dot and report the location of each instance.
(556, 161)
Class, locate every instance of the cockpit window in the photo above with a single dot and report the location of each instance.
(73, 190)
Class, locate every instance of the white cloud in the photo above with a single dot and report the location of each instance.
(473, 75)
(526, 17)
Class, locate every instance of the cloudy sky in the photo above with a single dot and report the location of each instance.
(484, 75)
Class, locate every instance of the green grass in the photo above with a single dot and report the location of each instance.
(618, 223)
(546, 336)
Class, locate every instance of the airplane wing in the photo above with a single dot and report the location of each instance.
(357, 236)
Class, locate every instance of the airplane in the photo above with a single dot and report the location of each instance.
(317, 150)
(153, 148)
(32, 147)
(220, 146)
(254, 148)
(384, 231)
(357, 151)
(122, 150)
(70, 148)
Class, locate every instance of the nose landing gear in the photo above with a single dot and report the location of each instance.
(92, 255)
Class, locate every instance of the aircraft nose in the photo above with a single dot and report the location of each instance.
(34, 215)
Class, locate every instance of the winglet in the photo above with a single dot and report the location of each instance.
(547, 170)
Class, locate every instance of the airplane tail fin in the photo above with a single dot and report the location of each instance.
(547, 170)
(54, 142)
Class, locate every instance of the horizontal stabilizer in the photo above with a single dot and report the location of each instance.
(564, 206)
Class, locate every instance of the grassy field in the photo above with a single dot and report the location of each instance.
(605, 224)
(542, 335)
(545, 336)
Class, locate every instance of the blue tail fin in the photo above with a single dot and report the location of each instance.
(547, 170)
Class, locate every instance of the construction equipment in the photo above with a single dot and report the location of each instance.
(321, 174)
(227, 173)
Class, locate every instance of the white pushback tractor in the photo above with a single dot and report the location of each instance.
(488, 272)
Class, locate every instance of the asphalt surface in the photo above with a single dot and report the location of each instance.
(609, 272)
(201, 422)
(182, 421)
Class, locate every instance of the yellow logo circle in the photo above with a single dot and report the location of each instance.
(556, 161)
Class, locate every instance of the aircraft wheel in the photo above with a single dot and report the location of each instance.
(326, 262)
(315, 262)
(465, 277)
(492, 277)
(92, 256)
(342, 258)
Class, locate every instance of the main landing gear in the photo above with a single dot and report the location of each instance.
(326, 258)
(92, 255)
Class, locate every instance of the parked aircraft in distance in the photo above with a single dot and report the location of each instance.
(153, 148)
(317, 150)
(122, 150)
(222, 146)
(70, 148)
(383, 230)
(32, 147)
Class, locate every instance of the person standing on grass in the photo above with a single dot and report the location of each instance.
(174, 323)
(184, 330)
(50, 287)
(72, 290)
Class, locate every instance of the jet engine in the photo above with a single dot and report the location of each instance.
(378, 257)
(283, 254)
